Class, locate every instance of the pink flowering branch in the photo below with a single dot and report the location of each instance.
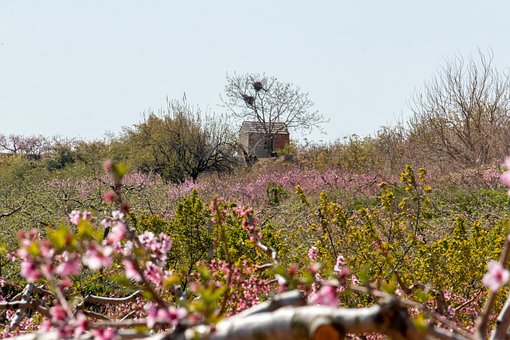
(468, 302)
(116, 197)
(483, 320)
(218, 220)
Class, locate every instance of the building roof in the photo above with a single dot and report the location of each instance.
(258, 127)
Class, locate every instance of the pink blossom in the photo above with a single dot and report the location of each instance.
(153, 273)
(340, 263)
(171, 315)
(109, 196)
(157, 245)
(81, 325)
(58, 313)
(312, 253)
(131, 272)
(496, 276)
(98, 257)
(70, 266)
(103, 334)
(293, 269)
(146, 237)
(29, 271)
(65, 283)
(128, 248)
(152, 314)
(117, 215)
(107, 165)
(326, 296)
(125, 207)
(75, 217)
(505, 178)
(118, 233)
(45, 326)
(355, 280)
(106, 222)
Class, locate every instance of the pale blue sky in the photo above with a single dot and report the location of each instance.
(81, 68)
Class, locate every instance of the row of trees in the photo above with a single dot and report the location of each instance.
(460, 119)
(181, 142)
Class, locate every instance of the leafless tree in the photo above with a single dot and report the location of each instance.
(33, 146)
(267, 100)
(462, 115)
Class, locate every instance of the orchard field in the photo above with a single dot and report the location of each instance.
(172, 230)
(301, 222)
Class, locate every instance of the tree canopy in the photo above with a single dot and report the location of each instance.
(181, 143)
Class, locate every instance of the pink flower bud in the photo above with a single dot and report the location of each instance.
(109, 196)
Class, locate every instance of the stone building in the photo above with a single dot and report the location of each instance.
(259, 144)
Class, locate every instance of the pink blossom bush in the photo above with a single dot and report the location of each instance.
(248, 287)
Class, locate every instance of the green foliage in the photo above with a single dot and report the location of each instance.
(61, 156)
(180, 144)
(276, 193)
(191, 232)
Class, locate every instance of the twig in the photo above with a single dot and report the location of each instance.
(96, 315)
(24, 306)
(468, 302)
(269, 251)
(7, 214)
(128, 315)
(434, 315)
(440, 333)
(25, 297)
(40, 290)
(265, 266)
(107, 300)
